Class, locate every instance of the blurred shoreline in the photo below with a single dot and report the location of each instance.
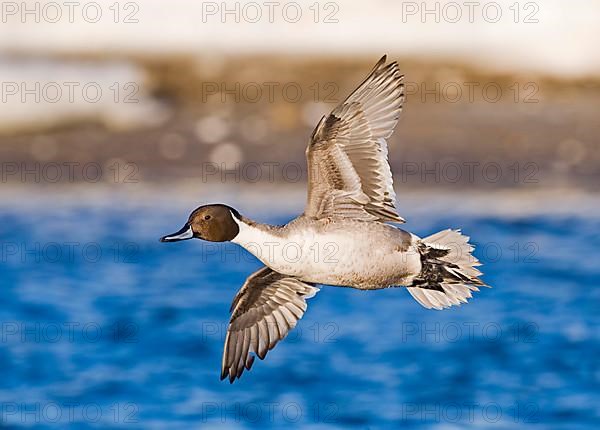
(189, 118)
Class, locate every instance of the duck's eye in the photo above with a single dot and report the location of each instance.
(206, 217)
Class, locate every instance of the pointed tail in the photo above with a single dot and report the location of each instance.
(448, 274)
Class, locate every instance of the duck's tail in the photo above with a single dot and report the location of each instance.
(448, 273)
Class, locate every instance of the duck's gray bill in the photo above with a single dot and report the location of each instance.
(183, 234)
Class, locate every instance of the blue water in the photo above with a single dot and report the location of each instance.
(126, 332)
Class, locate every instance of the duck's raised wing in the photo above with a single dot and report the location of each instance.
(348, 170)
(265, 309)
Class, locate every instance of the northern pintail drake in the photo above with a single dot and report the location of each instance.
(343, 238)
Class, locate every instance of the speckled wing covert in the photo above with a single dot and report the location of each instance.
(265, 309)
(348, 170)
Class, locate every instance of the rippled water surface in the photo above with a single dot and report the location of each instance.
(103, 326)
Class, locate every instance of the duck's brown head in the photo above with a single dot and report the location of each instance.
(214, 223)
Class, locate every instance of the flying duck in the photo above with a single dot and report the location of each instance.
(344, 237)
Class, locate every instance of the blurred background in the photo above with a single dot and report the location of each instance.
(117, 119)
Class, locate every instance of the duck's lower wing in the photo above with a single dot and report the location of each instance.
(265, 309)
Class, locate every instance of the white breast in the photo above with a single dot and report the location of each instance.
(289, 254)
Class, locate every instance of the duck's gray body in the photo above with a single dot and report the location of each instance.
(335, 251)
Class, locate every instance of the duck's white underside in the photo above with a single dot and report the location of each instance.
(360, 255)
